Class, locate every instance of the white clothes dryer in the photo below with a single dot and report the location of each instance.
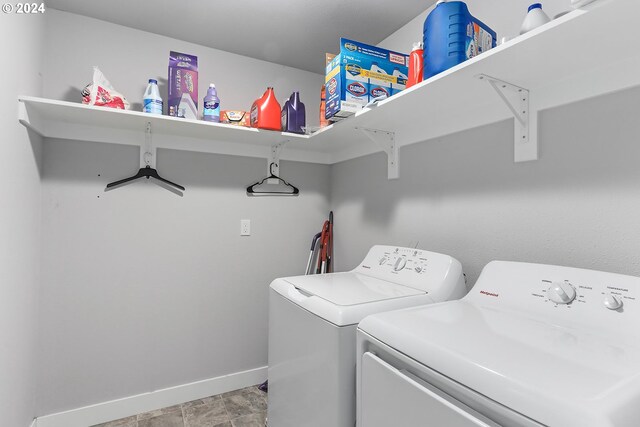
(530, 345)
(312, 329)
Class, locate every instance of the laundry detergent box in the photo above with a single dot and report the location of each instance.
(359, 74)
(235, 117)
(183, 85)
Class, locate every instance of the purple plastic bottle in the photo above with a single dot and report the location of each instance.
(294, 116)
(284, 115)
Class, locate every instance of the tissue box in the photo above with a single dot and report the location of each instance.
(183, 85)
(359, 74)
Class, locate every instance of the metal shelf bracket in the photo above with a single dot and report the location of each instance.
(387, 141)
(274, 157)
(526, 124)
(147, 150)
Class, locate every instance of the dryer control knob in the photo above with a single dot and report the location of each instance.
(561, 292)
(612, 302)
(383, 260)
(400, 263)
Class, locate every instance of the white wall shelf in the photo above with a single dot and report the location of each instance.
(578, 56)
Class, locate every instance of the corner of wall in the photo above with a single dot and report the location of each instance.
(21, 154)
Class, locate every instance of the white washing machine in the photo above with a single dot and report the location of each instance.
(530, 345)
(312, 329)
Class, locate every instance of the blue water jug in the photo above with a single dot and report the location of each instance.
(451, 36)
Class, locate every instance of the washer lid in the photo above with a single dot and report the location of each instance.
(350, 288)
(558, 376)
(344, 299)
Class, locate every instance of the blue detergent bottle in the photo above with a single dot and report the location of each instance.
(452, 35)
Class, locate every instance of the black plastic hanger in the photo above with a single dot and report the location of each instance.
(145, 172)
(251, 191)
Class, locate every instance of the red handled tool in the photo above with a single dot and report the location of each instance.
(325, 264)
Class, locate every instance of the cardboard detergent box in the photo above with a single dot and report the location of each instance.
(183, 85)
(359, 74)
(235, 117)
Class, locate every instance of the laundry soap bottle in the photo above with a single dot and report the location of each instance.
(534, 19)
(152, 102)
(416, 64)
(211, 103)
(452, 35)
(294, 117)
(266, 111)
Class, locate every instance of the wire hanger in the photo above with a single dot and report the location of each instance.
(253, 191)
(146, 171)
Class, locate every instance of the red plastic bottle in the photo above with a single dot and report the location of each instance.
(416, 65)
(265, 112)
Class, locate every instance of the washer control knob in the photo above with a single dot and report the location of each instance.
(400, 263)
(418, 269)
(612, 302)
(561, 292)
(383, 260)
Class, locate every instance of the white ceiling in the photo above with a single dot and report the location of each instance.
(296, 33)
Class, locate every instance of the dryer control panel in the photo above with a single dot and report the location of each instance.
(569, 296)
(568, 293)
(415, 268)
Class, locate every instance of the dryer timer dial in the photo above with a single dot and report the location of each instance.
(561, 293)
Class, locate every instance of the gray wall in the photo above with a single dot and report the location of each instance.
(463, 195)
(143, 289)
(21, 39)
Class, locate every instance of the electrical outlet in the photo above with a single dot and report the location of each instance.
(245, 227)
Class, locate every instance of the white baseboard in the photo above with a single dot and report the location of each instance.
(132, 405)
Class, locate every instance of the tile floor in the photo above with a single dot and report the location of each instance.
(246, 407)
